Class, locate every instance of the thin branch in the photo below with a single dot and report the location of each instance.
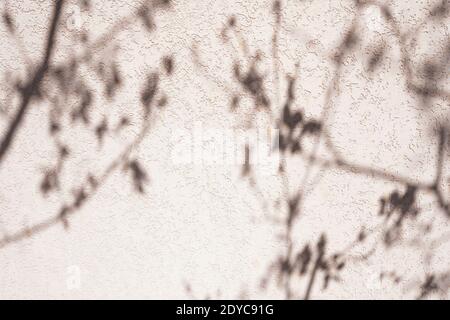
(32, 87)
(69, 209)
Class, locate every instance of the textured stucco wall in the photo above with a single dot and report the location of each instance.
(204, 230)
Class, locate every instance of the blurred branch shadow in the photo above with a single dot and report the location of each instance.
(314, 260)
(57, 84)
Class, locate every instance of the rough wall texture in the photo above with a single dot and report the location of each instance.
(95, 203)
